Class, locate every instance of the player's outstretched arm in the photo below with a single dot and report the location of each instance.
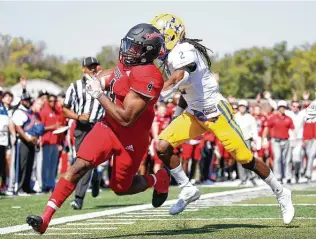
(174, 82)
(133, 105)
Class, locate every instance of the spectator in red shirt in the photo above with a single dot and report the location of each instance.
(50, 118)
(161, 121)
(281, 124)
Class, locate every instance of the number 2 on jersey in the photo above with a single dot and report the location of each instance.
(111, 92)
(181, 55)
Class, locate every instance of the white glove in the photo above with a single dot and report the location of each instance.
(94, 88)
(310, 116)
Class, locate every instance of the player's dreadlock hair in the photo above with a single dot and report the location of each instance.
(195, 42)
(201, 48)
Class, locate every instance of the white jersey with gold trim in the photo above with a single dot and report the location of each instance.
(200, 90)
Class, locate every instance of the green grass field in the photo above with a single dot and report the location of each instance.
(17, 208)
(237, 220)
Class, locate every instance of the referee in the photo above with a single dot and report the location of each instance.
(80, 106)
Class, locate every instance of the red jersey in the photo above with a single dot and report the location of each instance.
(146, 80)
(271, 130)
(281, 124)
(262, 122)
(49, 117)
(309, 131)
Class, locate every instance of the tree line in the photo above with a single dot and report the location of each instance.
(243, 74)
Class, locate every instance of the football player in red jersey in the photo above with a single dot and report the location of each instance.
(134, 88)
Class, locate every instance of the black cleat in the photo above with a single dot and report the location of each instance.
(158, 198)
(75, 205)
(37, 223)
(161, 189)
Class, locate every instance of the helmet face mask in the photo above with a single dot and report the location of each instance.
(131, 52)
(141, 45)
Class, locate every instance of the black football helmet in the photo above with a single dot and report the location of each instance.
(142, 45)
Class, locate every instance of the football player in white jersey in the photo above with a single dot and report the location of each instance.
(202, 108)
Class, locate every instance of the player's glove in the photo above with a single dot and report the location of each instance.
(310, 116)
(94, 88)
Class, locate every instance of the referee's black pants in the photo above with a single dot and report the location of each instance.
(26, 161)
(3, 150)
(80, 133)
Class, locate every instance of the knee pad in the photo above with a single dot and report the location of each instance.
(251, 165)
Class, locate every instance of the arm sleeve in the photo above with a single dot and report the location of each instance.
(70, 96)
(19, 118)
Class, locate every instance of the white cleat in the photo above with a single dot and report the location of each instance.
(286, 206)
(188, 194)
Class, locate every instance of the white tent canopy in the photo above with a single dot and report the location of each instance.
(33, 87)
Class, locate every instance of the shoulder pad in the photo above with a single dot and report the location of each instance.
(182, 55)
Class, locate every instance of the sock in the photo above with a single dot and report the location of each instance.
(180, 176)
(274, 184)
(62, 191)
(151, 180)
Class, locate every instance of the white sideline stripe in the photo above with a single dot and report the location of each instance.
(62, 220)
(99, 223)
(81, 228)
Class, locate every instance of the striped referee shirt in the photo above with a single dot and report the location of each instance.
(81, 102)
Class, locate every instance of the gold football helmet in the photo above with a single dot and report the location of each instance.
(171, 27)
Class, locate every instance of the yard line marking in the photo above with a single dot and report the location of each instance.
(81, 228)
(102, 220)
(305, 195)
(132, 216)
(196, 207)
(208, 219)
(98, 223)
(167, 210)
(53, 234)
(265, 205)
(147, 213)
(63, 220)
